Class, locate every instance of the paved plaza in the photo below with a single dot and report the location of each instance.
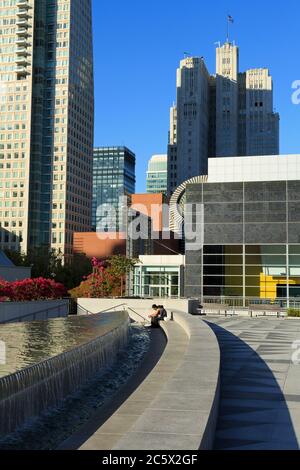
(260, 383)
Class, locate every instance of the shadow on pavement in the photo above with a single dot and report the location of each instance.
(253, 413)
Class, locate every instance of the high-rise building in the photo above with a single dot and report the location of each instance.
(113, 177)
(227, 106)
(157, 174)
(226, 114)
(260, 133)
(188, 137)
(46, 120)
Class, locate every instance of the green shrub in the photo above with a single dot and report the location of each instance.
(293, 312)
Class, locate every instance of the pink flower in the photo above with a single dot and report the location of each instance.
(32, 289)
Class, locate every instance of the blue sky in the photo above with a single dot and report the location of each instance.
(139, 43)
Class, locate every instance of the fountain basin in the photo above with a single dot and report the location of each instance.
(46, 361)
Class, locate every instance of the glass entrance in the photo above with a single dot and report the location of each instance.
(159, 291)
(157, 281)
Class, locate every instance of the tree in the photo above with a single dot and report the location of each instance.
(43, 262)
(107, 279)
(120, 266)
(71, 274)
(51, 265)
(100, 283)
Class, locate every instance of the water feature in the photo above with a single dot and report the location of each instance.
(47, 360)
(53, 427)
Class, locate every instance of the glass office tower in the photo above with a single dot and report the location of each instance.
(113, 177)
(46, 119)
(157, 174)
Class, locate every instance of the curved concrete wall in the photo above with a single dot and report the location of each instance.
(176, 406)
(141, 306)
(30, 391)
(202, 358)
(35, 310)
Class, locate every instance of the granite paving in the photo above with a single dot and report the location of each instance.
(260, 383)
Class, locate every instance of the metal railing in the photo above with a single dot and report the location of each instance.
(124, 306)
(88, 312)
(244, 302)
(138, 314)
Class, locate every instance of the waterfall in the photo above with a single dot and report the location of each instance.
(27, 393)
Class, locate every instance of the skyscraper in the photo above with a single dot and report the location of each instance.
(157, 174)
(46, 119)
(226, 114)
(227, 106)
(113, 177)
(188, 138)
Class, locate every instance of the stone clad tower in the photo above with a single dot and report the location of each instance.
(188, 149)
(227, 94)
(223, 115)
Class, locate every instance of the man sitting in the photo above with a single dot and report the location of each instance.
(162, 313)
(155, 316)
(159, 314)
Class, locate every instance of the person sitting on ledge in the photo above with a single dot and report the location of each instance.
(155, 316)
(162, 313)
(159, 314)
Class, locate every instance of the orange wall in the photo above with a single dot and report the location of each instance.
(92, 246)
(89, 244)
(148, 201)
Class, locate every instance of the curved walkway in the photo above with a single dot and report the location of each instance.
(176, 406)
(260, 385)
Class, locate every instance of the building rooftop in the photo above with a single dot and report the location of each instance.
(159, 158)
(260, 168)
(114, 148)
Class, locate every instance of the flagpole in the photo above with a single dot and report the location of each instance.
(229, 20)
(227, 39)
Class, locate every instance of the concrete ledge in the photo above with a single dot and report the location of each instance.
(141, 306)
(14, 273)
(35, 310)
(176, 407)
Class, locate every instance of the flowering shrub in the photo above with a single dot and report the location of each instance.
(97, 263)
(5, 290)
(101, 283)
(31, 289)
(107, 279)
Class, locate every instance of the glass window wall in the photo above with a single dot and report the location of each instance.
(157, 281)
